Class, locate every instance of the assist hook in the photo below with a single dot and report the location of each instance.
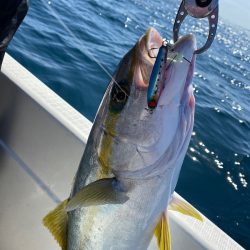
(198, 9)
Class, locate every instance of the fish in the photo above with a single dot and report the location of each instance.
(124, 186)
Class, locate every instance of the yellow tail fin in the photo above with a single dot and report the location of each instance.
(57, 222)
(181, 206)
(162, 233)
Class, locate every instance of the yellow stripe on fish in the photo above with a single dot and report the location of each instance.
(106, 145)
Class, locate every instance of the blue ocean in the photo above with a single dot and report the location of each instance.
(64, 43)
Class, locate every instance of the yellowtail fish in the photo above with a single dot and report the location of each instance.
(132, 160)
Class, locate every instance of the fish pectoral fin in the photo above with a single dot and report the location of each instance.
(162, 233)
(57, 222)
(179, 205)
(100, 192)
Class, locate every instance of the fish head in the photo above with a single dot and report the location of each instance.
(135, 139)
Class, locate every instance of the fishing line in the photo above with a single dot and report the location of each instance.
(86, 52)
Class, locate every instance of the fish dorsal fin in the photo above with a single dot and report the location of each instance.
(162, 233)
(100, 192)
(179, 205)
(57, 222)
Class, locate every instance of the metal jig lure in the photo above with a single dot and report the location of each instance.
(155, 82)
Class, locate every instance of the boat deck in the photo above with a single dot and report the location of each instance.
(42, 139)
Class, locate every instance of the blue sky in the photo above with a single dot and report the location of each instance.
(236, 12)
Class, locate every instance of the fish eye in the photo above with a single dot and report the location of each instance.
(119, 96)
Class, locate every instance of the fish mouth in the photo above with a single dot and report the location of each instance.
(178, 72)
(146, 51)
(186, 46)
(179, 68)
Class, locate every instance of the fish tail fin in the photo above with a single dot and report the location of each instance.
(162, 233)
(57, 221)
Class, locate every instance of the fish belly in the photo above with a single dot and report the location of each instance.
(118, 227)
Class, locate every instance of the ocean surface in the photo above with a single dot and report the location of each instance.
(62, 41)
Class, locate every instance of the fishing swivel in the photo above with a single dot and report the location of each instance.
(198, 9)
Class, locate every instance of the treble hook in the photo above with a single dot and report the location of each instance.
(198, 9)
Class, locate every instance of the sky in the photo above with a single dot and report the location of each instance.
(236, 12)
